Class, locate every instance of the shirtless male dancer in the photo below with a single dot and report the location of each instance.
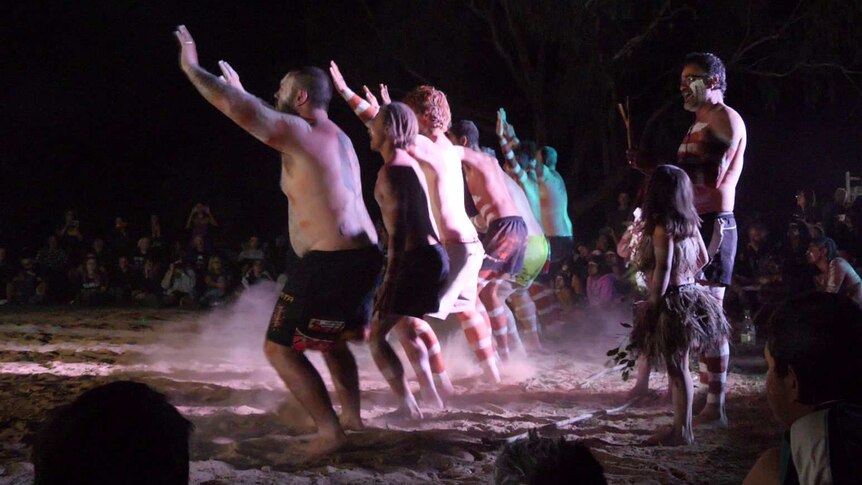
(711, 153)
(319, 308)
(505, 240)
(417, 265)
(442, 168)
(546, 191)
(464, 133)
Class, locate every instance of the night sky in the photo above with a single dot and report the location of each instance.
(99, 118)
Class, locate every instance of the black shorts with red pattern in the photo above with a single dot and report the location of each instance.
(328, 293)
(505, 246)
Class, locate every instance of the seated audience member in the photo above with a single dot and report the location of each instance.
(158, 241)
(27, 287)
(91, 284)
(199, 257)
(602, 284)
(255, 275)
(100, 252)
(751, 258)
(141, 254)
(199, 222)
(814, 391)
(147, 287)
(53, 265)
(121, 239)
(795, 271)
(606, 241)
(547, 461)
(806, 207)
(215, 283)
(70, 237)
(251, 252)
(122, 281)
(834, 273)
(179, 285)
(119, 433)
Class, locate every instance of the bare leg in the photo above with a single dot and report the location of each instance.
(478, 336)
(345, 376)
(435, 357)
(493, 297)
(683, 394)
(641, 378)
(416, 351)
(306, 385)
(525, 316)
(390, 366)
(716, 362)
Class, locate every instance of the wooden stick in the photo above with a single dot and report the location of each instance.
(626, 116)
(599, 374)
(573, 420)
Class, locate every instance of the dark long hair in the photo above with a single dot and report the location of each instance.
(669, 202)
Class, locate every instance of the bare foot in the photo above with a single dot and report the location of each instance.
(712, 414)
(291, 414)
(404, 413)
(432, 399)
(668, 436)
(637, 391)
(351, 423)
(324, 443)
(445, 388)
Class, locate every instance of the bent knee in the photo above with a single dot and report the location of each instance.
(274, 350)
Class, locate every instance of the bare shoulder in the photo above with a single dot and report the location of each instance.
(659, 235)
(725, 119)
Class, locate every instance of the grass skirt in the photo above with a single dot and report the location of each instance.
(688, 317)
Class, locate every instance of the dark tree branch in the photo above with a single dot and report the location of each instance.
(744, 49)
(381, 37)
(664, 14)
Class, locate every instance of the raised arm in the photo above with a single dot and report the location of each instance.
(272, 127)
(365, 110)
(506, 134)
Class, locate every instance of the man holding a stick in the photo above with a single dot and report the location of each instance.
(711, 153)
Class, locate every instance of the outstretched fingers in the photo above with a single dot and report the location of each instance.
(337, 78)
(384, 94)
(369, 96)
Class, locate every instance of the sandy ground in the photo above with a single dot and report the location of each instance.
(211, 366)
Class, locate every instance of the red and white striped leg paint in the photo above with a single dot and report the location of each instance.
(477, 332)
(525, 315)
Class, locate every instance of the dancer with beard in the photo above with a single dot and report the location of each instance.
(712, 155)
(330, 230)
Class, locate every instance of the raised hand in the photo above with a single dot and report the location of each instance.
(188, 50)
(384, 94)
(501, 121)
(337, 78)
(369, 96)
(229, 76)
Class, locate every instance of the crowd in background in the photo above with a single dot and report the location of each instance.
(199, 266)
(191, 267)
(775, 259)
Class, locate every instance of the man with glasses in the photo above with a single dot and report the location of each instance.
(711, 153)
